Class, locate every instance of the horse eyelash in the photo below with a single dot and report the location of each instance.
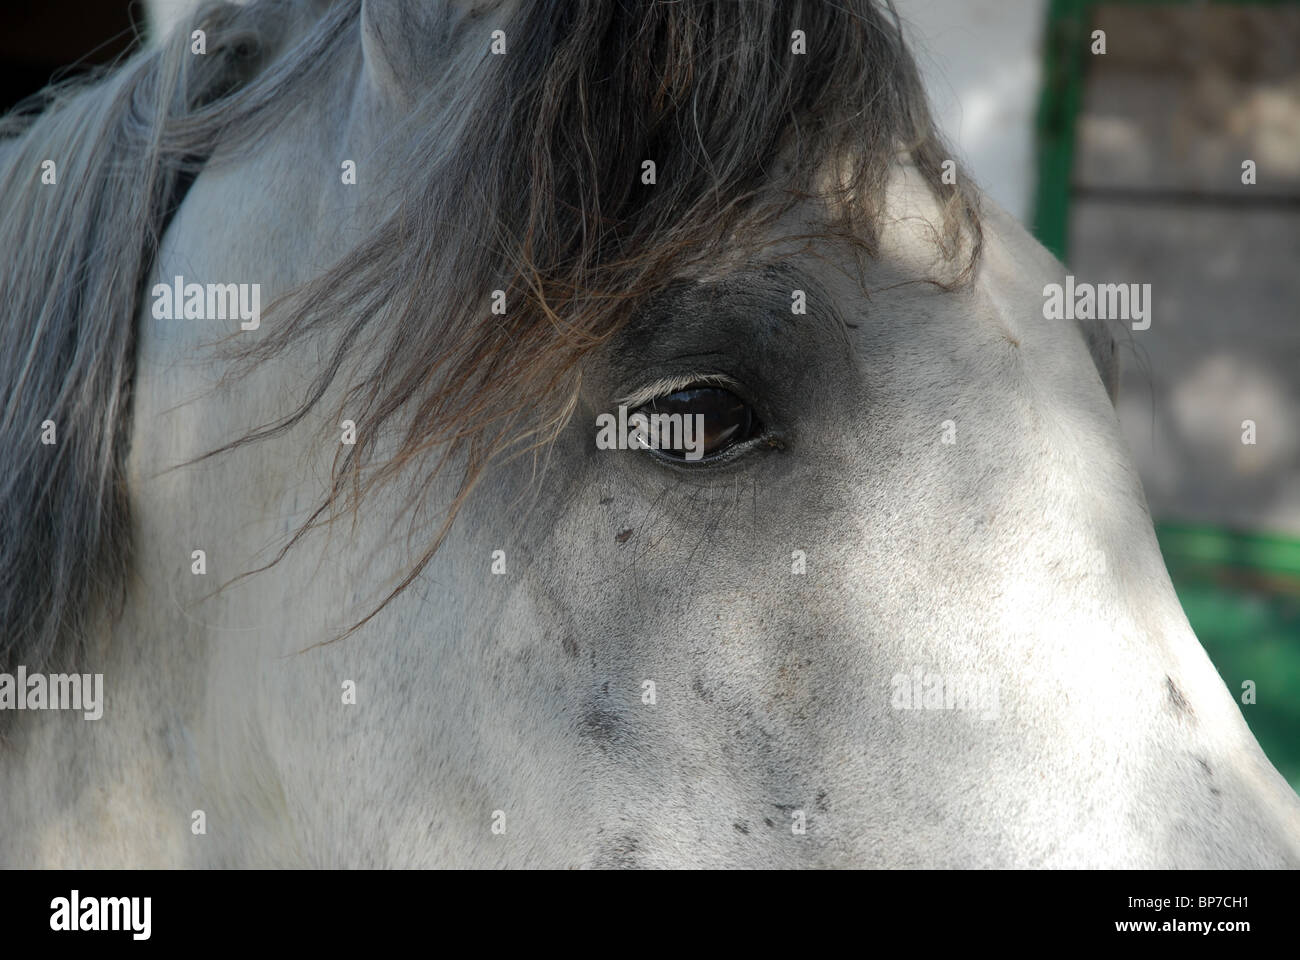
(666, 386)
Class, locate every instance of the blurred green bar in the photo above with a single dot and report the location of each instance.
(1191, 544)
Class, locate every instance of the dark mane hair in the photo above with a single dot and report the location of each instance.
(535, 191)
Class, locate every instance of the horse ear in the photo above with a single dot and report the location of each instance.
(406, 42)
(1105, 353)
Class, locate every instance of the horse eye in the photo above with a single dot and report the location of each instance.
(726, 420)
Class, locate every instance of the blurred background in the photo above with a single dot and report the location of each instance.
(1128, 165)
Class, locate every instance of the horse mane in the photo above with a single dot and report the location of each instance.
(74, 257)
(535, 190)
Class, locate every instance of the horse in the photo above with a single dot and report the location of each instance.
(312, 311)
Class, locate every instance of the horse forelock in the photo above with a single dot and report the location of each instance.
(536, 190)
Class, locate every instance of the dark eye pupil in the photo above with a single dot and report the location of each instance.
(726, 418)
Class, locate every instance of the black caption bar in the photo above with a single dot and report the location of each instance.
(136, 909)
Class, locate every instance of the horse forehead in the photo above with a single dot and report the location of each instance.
(1012, 268)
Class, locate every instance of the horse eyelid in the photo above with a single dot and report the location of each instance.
(667, 386)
